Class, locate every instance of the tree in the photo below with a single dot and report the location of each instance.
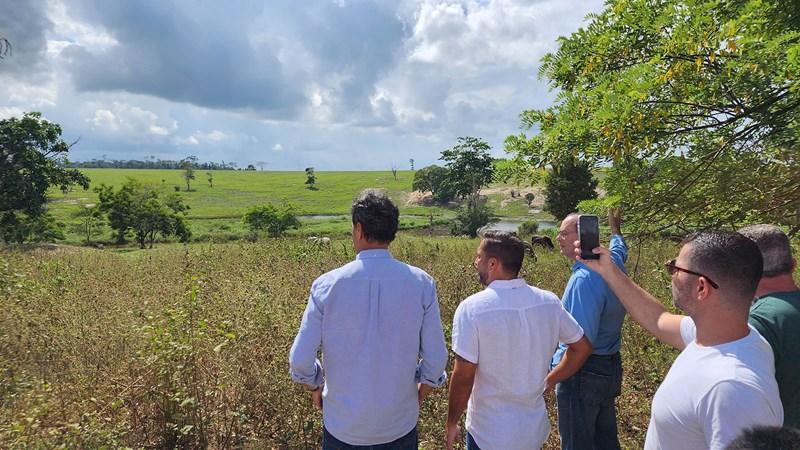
(270, 219)
(32, 155)
(435, 180)
(250, 167)
(210, 177)
(311, 178)
(144, 210)
(694, 103)
(411, 162)
(567, 184)
(469, 166)
(91, 220)
(187, 165)
(394, 171)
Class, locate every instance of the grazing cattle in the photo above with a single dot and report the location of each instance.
(315, 240)
(543, 241)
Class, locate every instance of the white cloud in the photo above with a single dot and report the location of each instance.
(129, 119)
(75, 32)
(277, 147)
(199, 137)
(8, 112)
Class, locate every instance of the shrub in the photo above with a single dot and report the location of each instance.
(471, 218)
(274, 221)
(528, 228)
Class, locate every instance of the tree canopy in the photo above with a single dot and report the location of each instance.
(469, 165)
(434, 179)
(567, 184)
(145, 210)
(694, 103)
(32, 154)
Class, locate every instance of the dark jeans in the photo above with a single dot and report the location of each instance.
(407, 442)
(587, 418)
(471, 445)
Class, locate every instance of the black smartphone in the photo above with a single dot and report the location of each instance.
(589, 235)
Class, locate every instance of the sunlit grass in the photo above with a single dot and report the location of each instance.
(187, 345)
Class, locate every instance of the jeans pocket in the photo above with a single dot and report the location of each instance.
(596, 387)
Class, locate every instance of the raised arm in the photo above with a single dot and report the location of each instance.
(640, 304)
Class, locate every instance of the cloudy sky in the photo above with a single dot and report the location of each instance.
(335, 84)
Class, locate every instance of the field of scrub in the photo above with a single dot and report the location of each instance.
(187, 346)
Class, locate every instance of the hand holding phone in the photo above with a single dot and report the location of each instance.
(589, 235)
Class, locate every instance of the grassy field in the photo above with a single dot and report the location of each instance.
(187, 345)
(216, 212)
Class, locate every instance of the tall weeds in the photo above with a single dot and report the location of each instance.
(186, 347)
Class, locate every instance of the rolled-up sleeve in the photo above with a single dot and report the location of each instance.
(619, 250)
(433, 350)
(304, 367)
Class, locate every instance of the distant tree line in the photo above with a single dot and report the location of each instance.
(148, 164)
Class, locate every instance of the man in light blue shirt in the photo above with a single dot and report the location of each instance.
(586, 412)
(377, 322)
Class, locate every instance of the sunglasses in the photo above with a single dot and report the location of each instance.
(672, 268)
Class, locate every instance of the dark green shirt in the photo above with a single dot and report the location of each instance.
(777, 317)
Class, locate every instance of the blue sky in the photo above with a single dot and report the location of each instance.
(337, 85)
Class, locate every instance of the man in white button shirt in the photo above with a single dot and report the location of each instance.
(503, 338)
(723, 382)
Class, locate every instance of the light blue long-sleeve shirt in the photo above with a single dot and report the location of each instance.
(594, 306)
(377, 322)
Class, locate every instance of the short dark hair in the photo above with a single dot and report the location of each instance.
(506, 247)
(377, 215)
(730, 259)
(775, 248)
(767, 438)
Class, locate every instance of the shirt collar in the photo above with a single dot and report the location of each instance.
(373, 253)
(507, 284)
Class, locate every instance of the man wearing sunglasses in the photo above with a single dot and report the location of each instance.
(776, 313)
(723, 382)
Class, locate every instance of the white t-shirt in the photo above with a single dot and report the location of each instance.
(510, 331)
(711, 394)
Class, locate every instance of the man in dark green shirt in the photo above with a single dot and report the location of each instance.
(776, 313)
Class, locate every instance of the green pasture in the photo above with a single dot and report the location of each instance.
(216, 212)
(235, 191)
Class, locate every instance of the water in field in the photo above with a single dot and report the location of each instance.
(512, 224)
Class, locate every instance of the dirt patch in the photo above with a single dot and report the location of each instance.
(417, 198)
(506, 198)
(420, 198)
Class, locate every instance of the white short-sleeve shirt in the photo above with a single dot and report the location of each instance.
(712, 393)
(510, 331)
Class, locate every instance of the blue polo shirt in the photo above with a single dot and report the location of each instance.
(594, 306)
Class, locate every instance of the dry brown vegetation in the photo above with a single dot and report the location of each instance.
(187, 346)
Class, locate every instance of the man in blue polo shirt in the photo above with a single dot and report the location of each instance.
(586, 412)
(377, 322)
